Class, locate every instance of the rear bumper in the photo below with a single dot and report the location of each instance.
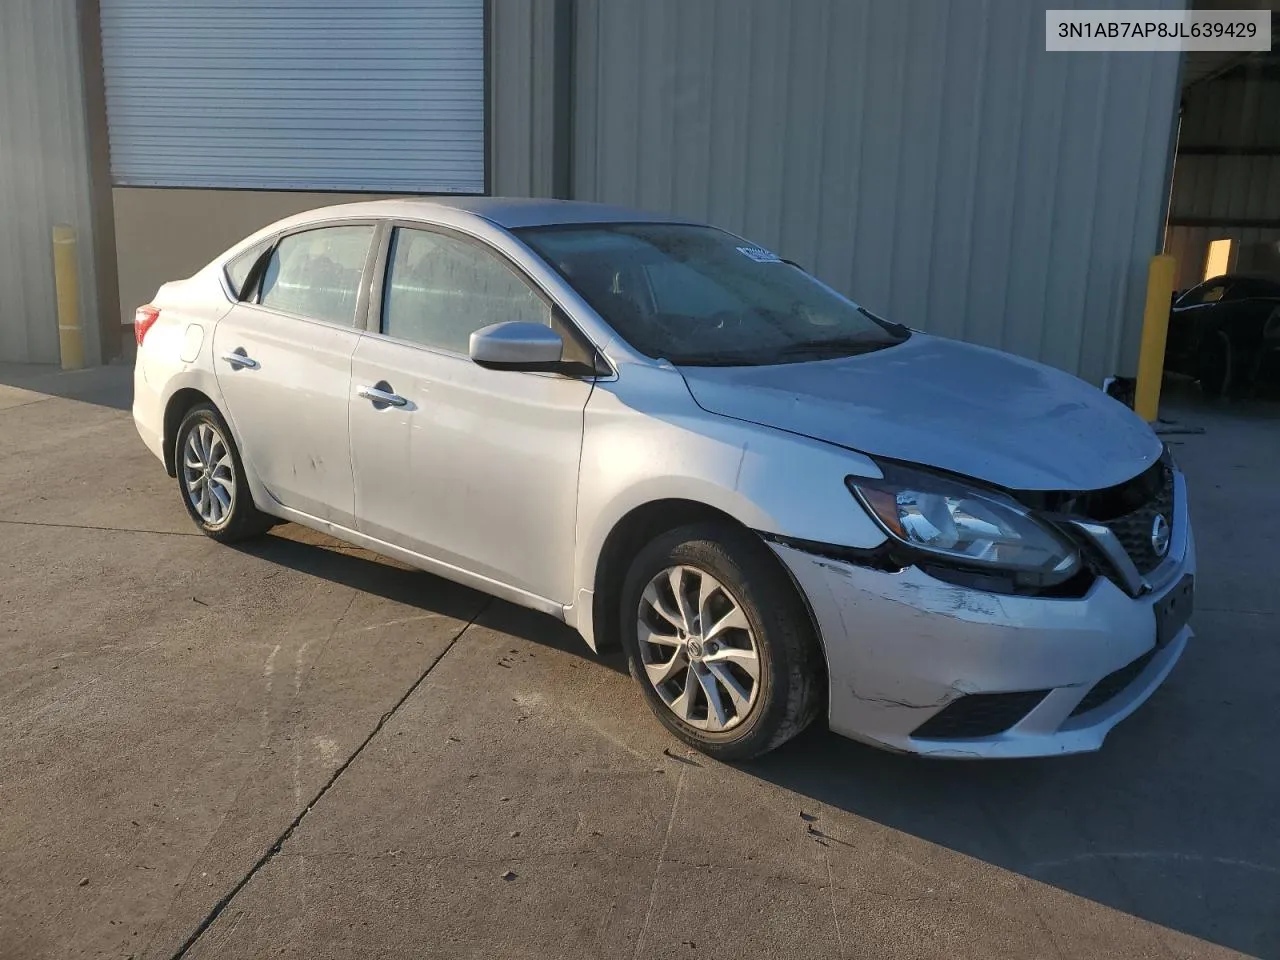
(902, 647)
(148, 412)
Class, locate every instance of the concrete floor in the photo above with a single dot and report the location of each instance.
(297, 749)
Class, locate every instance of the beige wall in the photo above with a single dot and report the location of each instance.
(167, 234)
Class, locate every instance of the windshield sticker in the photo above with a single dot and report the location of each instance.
(759, 255)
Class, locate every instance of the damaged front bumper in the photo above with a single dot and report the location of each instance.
(1037, 676)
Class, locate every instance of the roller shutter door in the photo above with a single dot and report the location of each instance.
(386, 95)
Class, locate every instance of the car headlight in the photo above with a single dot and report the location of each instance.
(967, 526)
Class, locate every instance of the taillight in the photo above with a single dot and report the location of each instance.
(143, 318)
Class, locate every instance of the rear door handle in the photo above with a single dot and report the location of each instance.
(240, 359)
(380, 395)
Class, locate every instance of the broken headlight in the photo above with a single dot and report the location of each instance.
(952, 523)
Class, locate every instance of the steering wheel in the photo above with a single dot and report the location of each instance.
(681, 328)
(720, 320)
(726, 320)
(670, 323)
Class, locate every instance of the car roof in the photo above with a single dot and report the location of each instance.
(1269, 280)
(507, 212)
(1266, 278)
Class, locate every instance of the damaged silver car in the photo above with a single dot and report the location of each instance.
(669, 437)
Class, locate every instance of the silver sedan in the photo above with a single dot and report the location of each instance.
(777, 502)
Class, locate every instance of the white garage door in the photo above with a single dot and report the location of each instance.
(383, 95)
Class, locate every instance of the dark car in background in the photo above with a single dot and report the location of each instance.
(1226, 333)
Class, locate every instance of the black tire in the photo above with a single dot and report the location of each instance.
(1216, 365)
(243, 520)
(791, 682)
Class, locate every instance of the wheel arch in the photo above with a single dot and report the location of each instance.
(195, 388)
(176, 408)
(644, 475)
(637, 527)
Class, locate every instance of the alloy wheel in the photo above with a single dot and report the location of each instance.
(698, 649)
(208, 474)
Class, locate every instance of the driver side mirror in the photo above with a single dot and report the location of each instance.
(517, 345)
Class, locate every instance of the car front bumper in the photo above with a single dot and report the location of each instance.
(902, 647)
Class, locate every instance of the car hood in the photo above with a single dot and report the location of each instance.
(946, 404)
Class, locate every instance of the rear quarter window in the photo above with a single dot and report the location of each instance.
(239, 269)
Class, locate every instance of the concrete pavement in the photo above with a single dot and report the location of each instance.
(299, 749)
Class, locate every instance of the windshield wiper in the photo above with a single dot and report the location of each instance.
(716, 360)
(843, 346)
(898, 328)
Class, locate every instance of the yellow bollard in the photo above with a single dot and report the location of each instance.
(1155, 330)
(66, 282)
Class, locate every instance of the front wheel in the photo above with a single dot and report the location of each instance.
(211, 478)
(720, 642)
(1216, 365)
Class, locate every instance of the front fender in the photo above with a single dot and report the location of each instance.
(651, 442)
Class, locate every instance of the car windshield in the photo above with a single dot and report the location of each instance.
(696, 295)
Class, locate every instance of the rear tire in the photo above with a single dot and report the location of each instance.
(749, 678)
(211, 479)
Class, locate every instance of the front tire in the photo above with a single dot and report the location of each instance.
(1217, 365)
(720, 642)
(211, 478)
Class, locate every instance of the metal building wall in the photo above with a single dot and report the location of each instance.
(44, 176)
(927, 157)
(523, 104)
(1227, 179)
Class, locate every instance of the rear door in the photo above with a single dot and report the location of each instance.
(283, 361)
(474, 468)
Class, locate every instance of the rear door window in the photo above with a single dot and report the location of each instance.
(316, 273)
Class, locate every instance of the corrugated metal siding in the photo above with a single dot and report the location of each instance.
(929, 158)
(43, 176)
(522, 108)
(383, 95)
(1241, 111)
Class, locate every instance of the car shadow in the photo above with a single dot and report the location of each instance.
(1174, 821)
(1156, 830)
(320, 556)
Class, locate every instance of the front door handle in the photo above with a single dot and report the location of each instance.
(381, 396)
(239, 359)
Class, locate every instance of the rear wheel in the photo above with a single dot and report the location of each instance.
(720, 642)
(211, 478)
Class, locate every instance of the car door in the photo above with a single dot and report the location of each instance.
(1188, 319)
(475, 468)
(283, 362)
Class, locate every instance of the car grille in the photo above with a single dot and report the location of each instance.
(1112, 684)
(1129, 511)
(979, 715)
(1133, 530)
